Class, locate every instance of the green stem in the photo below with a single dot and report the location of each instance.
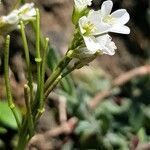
(28, 106)
(43, 73)
(42, 41)
(53, 85)
(41, 104)
(23, 135)
(38, 55)
(60, 67)
(7, 82)
(27, 57)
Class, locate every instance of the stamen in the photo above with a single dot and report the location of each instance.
(89, 28)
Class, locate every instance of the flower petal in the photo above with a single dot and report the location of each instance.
(121, 16)
(95, 18)
(91, 44)
(120, 29)
(102, 28)
(106, 7)
(12, 18)
(82, 21)
(28, 16)
(107, 45)
(26, 7)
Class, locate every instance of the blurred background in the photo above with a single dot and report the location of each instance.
(105, 105)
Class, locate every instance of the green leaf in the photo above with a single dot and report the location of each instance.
(136, 118)
(142, 135)
(117, 140)
(52, 58)
(110, 106)
(83, 126)
(6, 116)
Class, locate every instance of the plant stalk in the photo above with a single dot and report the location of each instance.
(7, 81)
(27, 57)
(28, 106)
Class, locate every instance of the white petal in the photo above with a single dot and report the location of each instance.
(91, 44)
(107, 45)
(121, 16)
(106, 7)
(102, 40)
(108, 50)
(12, 18)
(28, 15)
(120, 29)
(102, 28)
(32, 12)
(82, 21)
(26, 7)
(95, 18)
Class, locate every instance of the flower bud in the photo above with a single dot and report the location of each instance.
(80, 9)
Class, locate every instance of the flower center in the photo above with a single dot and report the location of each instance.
(109, 19)
(88, 28)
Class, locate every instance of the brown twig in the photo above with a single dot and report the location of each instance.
(119, 81)
(144, 146)
(42, 141)
(62, 109)
(61, 104)
(124, 78)
(98, 98)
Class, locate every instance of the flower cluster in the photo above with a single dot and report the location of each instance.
(25, 13)
(95, 26)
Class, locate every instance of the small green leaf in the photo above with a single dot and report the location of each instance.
(142, 135)
(6, 115)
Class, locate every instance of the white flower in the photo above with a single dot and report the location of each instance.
(104, 21)
(95, 26)
(107, 46)
(12, 18)
(10, 22)
(101, 44)
(95, 44)
(80, 9)
(27, 12)
(82, 4)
